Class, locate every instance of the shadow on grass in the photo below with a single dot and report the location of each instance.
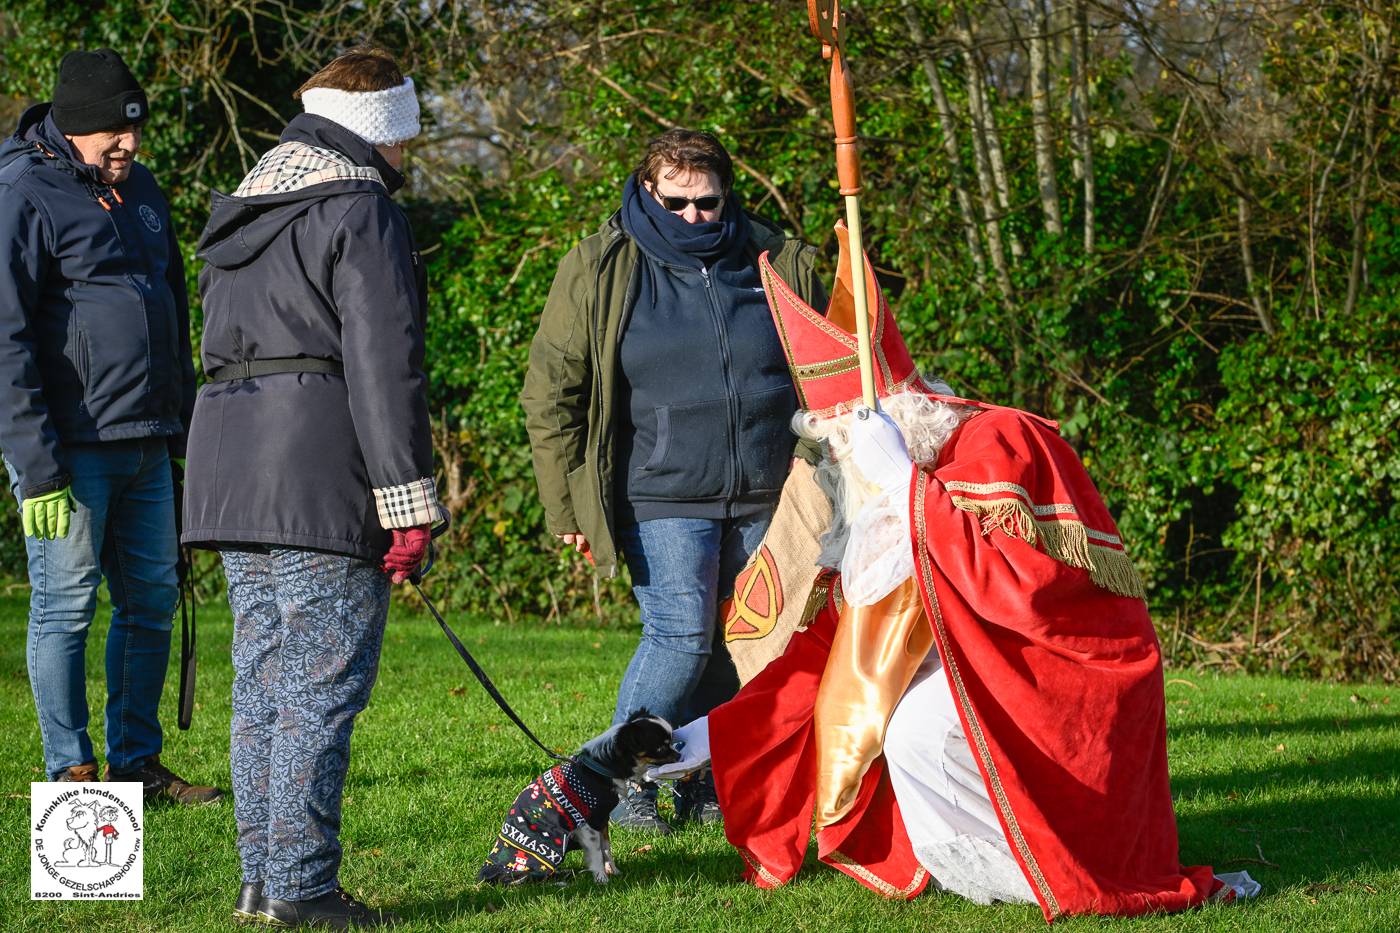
(1320, 725)
(638, 869)
(1297, 822)
(1288, 816)
(1291, 776)
(1279, 855)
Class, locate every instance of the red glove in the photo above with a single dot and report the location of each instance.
(407, 552)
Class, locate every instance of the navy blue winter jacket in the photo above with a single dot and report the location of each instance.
(705, 397)
(310, 257)
(94, 322)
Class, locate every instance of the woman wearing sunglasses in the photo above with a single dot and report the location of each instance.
(658, 401)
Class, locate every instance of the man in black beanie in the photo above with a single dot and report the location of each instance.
(99, 106)
(96, 390)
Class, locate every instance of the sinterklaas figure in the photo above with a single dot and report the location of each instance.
(966, 689)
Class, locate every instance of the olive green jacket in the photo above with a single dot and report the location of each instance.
(570, 383)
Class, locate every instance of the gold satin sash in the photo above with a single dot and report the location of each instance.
(874, 656)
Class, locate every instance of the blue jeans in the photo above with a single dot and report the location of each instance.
(682, 568)
(122, 529)
(307, 630)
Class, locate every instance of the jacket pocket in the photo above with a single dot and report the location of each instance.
(765, 438)
(80, 357)
(663, 439)
(691, 458)
(582, 501)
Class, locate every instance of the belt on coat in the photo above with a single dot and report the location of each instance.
(247, 369)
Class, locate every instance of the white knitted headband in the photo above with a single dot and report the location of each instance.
(378, 117)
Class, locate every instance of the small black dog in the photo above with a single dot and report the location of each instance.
(569, 804)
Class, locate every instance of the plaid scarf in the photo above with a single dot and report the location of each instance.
(292, 166)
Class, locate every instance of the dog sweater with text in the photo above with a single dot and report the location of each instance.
(535, 834)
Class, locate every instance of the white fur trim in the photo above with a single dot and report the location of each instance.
(378, 117)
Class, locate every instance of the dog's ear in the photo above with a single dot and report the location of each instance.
(644, 736)
(629, 738)
(640, 712)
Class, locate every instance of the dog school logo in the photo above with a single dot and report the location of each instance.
(151, 218)
(86, 842)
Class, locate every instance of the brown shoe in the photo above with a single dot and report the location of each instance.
(81, 774)
(158, 781)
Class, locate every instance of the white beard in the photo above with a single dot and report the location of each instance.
(926, 426)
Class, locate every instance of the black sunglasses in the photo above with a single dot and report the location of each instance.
(676, 204)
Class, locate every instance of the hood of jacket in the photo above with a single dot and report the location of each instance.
(316, 159)
(36, 135)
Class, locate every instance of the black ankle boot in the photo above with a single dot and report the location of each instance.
(334, 911)
(245, 909)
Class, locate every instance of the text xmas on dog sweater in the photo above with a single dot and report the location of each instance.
(535, 834)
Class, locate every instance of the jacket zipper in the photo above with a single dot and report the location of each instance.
(735, 460)
(140, 291)
(93, 192)
(603, 491)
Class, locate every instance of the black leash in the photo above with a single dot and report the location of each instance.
(416, 579)
(184, 581)
(187, 637)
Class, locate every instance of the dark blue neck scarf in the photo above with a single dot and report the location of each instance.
(667, 237)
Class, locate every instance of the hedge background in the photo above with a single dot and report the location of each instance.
(1172, 226)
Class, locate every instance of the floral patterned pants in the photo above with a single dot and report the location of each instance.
(307, 631)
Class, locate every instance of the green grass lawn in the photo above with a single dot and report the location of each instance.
(1296, 782)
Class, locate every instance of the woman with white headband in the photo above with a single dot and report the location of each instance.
(310, 464)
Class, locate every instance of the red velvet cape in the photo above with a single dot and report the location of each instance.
(1059, 687)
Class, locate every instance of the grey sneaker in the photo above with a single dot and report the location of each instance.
(637, 810)
(696, 800)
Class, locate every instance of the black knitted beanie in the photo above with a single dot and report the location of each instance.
(95, 92)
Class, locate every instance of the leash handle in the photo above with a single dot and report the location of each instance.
(481, 676)
(421, 571)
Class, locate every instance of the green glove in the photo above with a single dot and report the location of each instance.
(46, 516)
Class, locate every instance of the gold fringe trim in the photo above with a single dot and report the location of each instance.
(821, 591)
(1067, 541)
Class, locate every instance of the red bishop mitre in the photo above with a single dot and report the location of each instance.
(821, 350)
